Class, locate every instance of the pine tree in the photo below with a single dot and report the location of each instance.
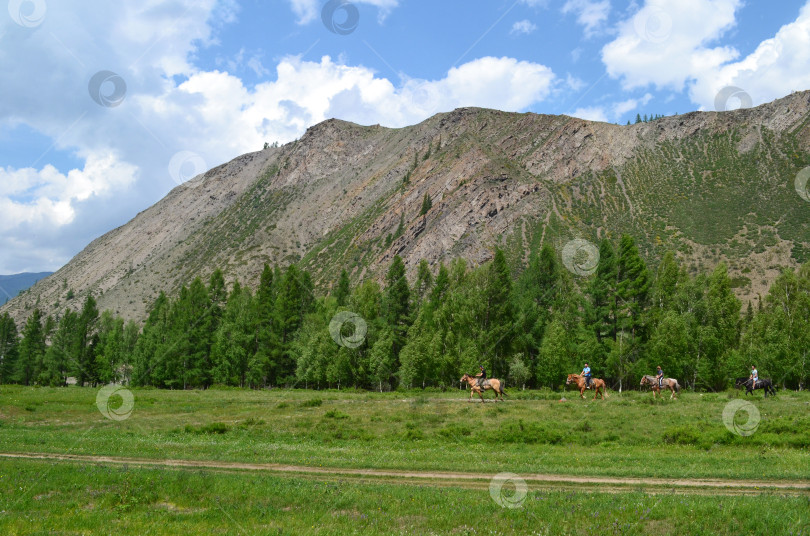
(396, 304)
(293, 301)
(602, 290)
(266, 329)
(498, 317)
(440, 287)
(638, 119)
(632, 288)
(31, 350)
(427, 204)
(9, 346)
(150, 345)
(235, 339)
(536, 296)
(84, 364)
(61, 355)
(343, 290)
(424, 282)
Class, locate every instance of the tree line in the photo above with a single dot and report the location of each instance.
(532, 326)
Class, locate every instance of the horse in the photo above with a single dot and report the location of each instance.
(667, 383)
(764, 383)
(491, 383)
(598, 385)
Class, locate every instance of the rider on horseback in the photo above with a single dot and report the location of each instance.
(482, 376)
(754, 377)
(586, 372)
(660, 377)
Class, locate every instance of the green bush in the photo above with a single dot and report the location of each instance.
(529, 433)
(681, 435)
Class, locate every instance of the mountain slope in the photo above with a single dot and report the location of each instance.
(712, 186)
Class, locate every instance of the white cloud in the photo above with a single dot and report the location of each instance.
(592, 113)
(778, 66)
(621, 108)
(309, 10)
(590, 14)
(524, 27)
(170, 106)
(575, 83)
(47, 197)
(674, 46)
(667, 44)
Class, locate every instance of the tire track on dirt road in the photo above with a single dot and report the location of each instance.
(457, 479)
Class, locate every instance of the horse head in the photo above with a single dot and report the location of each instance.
(570, 379)
(644, 380)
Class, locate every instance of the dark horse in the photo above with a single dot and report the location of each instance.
(765, 384)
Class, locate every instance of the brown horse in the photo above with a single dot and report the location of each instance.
(666, 383)
(599, 386)
(491, 383)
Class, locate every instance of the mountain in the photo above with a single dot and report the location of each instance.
(711, 186)
(12, 285)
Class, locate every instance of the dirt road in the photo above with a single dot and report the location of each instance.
(473, 480)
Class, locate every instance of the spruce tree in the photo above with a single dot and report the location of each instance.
(31, 350)
(343, 290)
(427, 204)
(602, 290)
(84, 359)
(61, 355)
(498, 317)
(9, 346)
(424, 281)
(632, 288)
(396, 304)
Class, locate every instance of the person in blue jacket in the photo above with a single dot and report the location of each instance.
(586, 372)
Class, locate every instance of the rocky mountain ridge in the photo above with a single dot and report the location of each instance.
(712, 186)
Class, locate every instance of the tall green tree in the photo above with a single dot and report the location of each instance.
(603, 293)
(60, 357)
(343, 290)
(632, 288)
(235, 340)
(31, 350)
(9, 342)
(536, 297)
(84, 363)
(397, 304)
(497, 323)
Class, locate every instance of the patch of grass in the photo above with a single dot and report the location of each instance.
(99, 499)
(623, 435)
(212, 428)
(312, 403)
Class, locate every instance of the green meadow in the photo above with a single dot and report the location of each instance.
(627, 435)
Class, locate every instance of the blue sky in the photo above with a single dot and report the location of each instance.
(189, 84)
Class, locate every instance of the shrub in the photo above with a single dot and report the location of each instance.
(681, 435)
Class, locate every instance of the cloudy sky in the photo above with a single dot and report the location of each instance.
(106, 106)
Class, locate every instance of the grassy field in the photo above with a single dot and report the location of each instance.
(627, 435)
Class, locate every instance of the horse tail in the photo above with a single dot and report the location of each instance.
(500, 387)
(677, 386)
